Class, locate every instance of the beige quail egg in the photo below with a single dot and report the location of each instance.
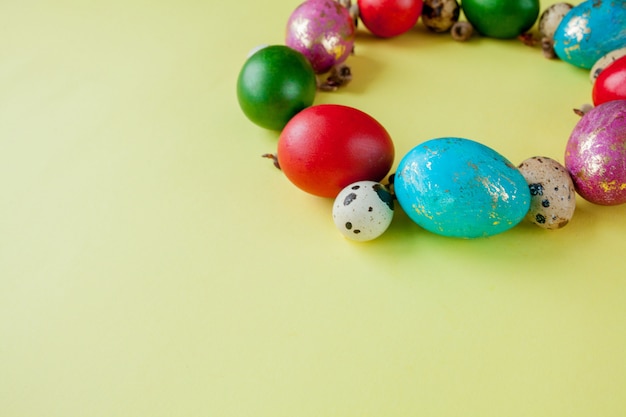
(552, 194)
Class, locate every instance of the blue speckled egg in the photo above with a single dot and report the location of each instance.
(591, 30)
(461, 188)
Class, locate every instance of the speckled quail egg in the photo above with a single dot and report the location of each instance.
(439, 15)
(363, 210)
(551, 18)
(604, 62)
(552, 195)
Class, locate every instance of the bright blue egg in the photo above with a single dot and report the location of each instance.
(461, 188)
(591, 30)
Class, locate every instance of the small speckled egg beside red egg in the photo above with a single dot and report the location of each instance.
(552, 195)
(595, 155)
(604, 62)
(363, 210)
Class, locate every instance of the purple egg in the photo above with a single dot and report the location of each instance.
(595, 155)
(323, 31)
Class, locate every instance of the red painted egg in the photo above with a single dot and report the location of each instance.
(611, 83)
(325, 148)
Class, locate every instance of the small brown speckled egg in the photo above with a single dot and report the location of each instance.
(604, 62)
(553, 199)
(439, 15)
(551, 18)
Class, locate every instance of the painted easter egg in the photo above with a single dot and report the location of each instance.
(595, 155)
(274, 84)
(326, 147)
(611, 83)
(389, 18)
(461, 188)
(323, 31)
(502, 19)
(591, 30)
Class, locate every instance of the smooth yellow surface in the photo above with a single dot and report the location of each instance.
(152, 264)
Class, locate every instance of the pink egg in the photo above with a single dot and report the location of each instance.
(595, 155)
(323, 31)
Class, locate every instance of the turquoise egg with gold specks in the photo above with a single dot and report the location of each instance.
(460, 188)
(591, 30)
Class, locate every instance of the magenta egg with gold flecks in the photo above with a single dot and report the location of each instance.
(595, 155)
(323, 31)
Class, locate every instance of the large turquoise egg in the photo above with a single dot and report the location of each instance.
(591, 30)
(461, 188)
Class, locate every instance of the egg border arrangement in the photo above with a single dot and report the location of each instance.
(450, 186)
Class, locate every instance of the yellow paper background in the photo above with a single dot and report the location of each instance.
(152, 264)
